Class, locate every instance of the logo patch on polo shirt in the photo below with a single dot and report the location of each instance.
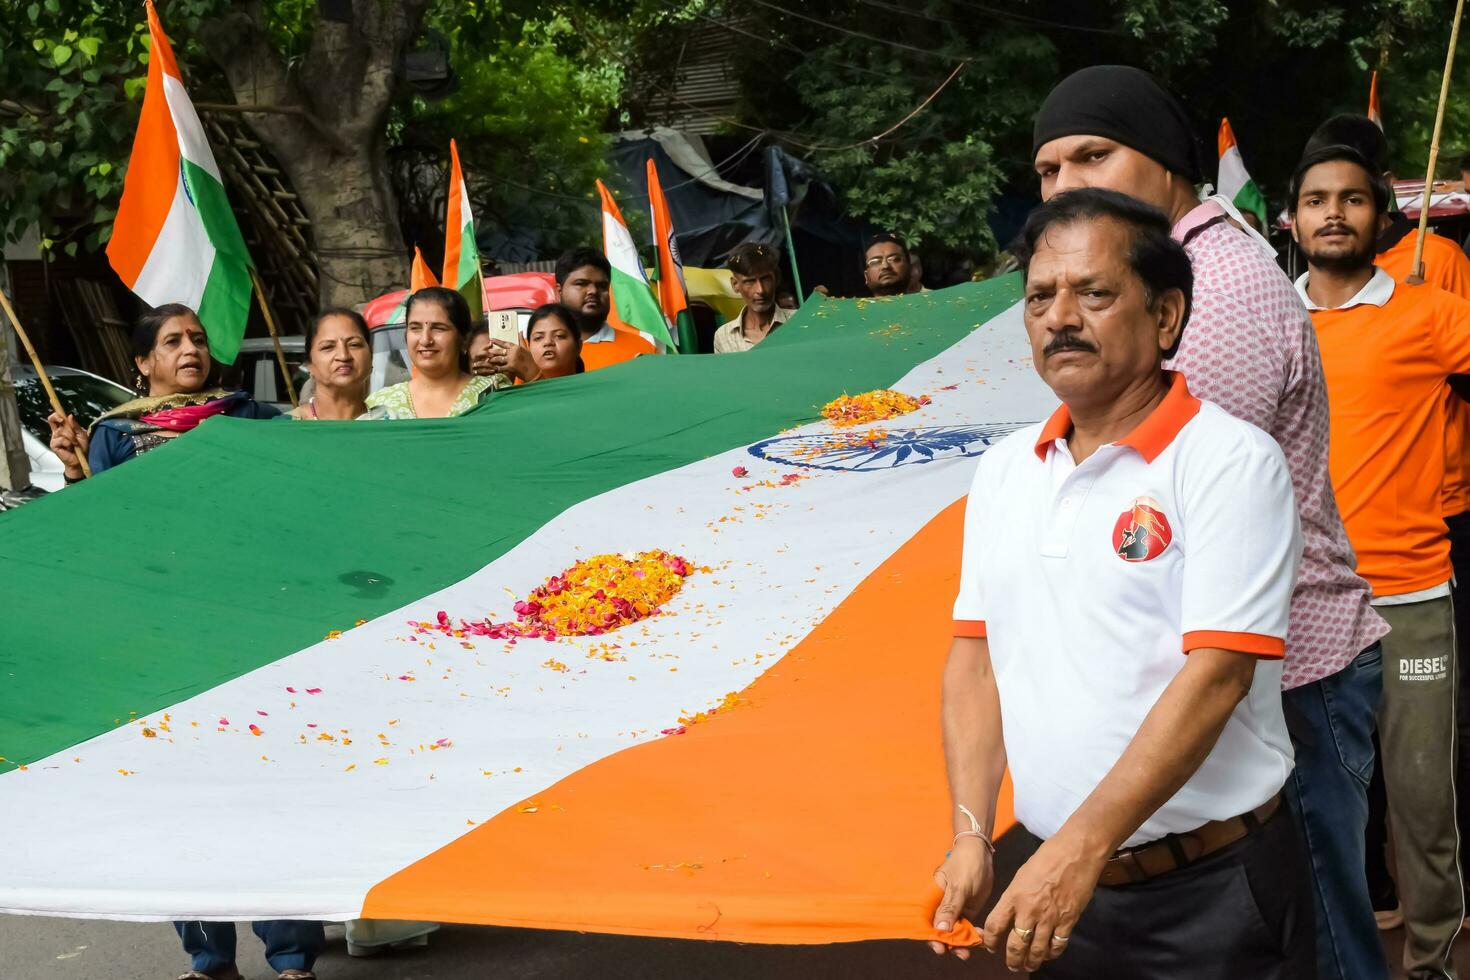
(1142, 531)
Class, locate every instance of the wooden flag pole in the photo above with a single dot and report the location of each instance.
(1416, 268)
(270, 324)
(25, 342)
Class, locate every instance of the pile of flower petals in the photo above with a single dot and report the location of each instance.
(871, 406)
(594, 596)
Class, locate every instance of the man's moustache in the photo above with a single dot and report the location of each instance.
(1065, 343)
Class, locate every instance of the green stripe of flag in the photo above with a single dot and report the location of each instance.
(244, 541)
(638, 307)
(225, 307)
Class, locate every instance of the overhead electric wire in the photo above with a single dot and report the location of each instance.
(858, 34)
(775, 41)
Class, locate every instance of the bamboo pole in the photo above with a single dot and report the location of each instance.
(25, 342)
(791, 252)
(1416, 268)
(270, 324)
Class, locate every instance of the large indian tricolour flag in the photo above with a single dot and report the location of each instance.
(217, 701)
(175, 239)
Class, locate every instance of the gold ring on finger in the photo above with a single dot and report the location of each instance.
(1025, 934)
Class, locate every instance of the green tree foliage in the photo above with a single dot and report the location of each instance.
(71, 78)
(542, 82)
(834, 72)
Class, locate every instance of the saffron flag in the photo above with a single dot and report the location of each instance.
(175, 239)
(420, 275)
(1375, 111)
(461, 252)
(356, 706)
(673, 294)
(634, 307)
(1235, 183)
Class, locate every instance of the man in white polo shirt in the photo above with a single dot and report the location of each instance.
(1127, 575)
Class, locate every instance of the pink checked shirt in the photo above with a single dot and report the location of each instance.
(1249, 347)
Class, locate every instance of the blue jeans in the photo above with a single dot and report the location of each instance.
(290, 944)
(1331, 723)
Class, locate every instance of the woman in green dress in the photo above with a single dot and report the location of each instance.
(438, 337)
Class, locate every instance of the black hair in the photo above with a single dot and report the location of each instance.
(884, 238)
(452, 302)
(145, 331)
(352, 315)
(1317, 156)
(1155, 257)
(575, 258)
(753, 258)
(559, 310)
(1465, 165)
(1358, 132)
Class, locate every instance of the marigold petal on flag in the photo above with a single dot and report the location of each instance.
(1234, 182)
(175, 239)
(634, 306)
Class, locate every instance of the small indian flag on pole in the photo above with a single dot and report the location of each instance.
(420, 275)
(461, 253)
(175, 239)
(673, 295)
(634, 307)
(1375, 111)
(1235, 183)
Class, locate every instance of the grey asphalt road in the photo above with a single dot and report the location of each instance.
(75, 949)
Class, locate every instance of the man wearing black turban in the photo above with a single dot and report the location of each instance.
(1249, 347)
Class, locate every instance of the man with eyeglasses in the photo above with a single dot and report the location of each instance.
(886, 266)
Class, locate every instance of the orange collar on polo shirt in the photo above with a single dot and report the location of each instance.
(1150, 437)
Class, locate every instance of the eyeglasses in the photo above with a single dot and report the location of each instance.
(878, 260)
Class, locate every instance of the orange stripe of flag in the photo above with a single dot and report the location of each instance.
(1227, 135)
(453, 231)
(153, 168)
(670, 289)
(812, 809)
(420, 275)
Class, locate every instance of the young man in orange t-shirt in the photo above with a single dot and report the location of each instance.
(1447, 267)
(584, 282)
(1388, 351)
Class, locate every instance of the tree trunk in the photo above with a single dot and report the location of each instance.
(331, 146)
(15, 465)
(354, 222)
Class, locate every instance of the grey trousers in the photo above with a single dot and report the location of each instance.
(1417, 731)
(1242, 913)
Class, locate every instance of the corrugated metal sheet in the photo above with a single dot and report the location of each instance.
(706, 84)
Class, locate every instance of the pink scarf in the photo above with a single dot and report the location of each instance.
(186, 417)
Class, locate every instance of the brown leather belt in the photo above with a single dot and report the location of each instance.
(1176, 851)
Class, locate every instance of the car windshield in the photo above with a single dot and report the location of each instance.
(81, 395)
(390, 355)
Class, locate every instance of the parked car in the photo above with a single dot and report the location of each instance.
(82, 394)
(255, 370)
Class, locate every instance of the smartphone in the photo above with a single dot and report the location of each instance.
(503, 326)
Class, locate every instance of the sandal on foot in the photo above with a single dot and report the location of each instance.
(296, 975)
(196, 975)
